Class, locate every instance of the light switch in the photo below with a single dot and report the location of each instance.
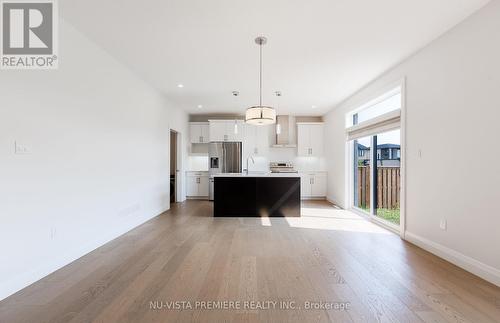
(442, 224)
(21, 149)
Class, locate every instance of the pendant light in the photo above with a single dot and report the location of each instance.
(260, 115)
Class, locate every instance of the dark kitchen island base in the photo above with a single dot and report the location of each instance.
(256, 196)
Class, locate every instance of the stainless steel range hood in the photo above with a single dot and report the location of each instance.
(285, 132)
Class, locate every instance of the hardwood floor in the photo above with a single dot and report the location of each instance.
(329, 256)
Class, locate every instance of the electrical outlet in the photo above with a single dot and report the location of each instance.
(442, 224)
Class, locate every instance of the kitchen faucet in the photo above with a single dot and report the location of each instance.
(253, 162)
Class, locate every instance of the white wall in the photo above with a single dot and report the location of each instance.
(99, 161)
(453, 110)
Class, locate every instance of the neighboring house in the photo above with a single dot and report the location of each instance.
(388, 155)
(363, 155)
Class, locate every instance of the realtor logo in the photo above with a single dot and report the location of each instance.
(29, 34)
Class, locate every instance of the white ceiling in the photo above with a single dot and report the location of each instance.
(319, 51)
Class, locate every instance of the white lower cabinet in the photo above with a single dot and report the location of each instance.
(305, 185)
(203, 186)
(318, 187)
(197, 184)
(313, 185)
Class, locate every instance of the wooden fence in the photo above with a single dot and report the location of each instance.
(388, 187)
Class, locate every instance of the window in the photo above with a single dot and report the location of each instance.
(389, 102)
(385, 153)
(374, 133)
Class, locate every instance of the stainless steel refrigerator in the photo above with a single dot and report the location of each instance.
(224, 157)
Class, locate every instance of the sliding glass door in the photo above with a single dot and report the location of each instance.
(388, 176)
(377, 175)
(362, 173)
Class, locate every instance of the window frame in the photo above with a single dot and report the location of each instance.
(376, 98)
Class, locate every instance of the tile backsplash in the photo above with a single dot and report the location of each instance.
(302, 164)
(197, 163)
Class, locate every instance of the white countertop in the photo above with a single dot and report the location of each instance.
(257, 175)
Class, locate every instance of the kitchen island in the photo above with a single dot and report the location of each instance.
(255, 195)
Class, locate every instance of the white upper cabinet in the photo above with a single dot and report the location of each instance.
(199, 132)
(317, 139)
(235, 130)
(217, 130)
(226, 130)
(310, 139)
(303, 140)
(256, 140)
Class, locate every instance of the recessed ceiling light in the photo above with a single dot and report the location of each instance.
(313, 107)
(180, 85)
(200, 106)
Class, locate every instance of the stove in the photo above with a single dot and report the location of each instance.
(282, 167)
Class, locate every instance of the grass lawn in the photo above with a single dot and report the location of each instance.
(391, 215)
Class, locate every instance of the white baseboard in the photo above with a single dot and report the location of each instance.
(313, 198)
(335, 202)
(472, 265)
